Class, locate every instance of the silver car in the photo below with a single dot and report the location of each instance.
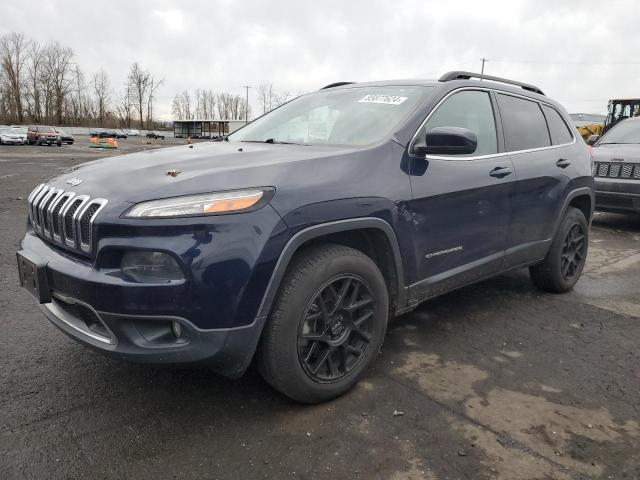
(13, 136)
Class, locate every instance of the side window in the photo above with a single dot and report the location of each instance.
(560, 133)
(523, 122)
(469, 109)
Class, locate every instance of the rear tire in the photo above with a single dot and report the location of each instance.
(327, 324)
(563, 265)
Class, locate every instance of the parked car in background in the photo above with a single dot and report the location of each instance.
(155, 135)
(296, 242)
(109, 134)
(616, 167)
(132, 133)
(13, 136)
(65, 137)
(42, 134)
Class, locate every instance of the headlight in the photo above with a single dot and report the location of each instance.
(145, 266)
(205, 204)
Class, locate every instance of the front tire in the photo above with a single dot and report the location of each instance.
(563, 265)
(327, 325)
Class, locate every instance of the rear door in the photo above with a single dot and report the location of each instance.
(534, 134)
(461, 204)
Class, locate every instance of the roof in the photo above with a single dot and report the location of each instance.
(458, 80)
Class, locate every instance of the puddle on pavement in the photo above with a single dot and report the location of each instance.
(522, 435)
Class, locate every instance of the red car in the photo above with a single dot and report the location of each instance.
(40, 134)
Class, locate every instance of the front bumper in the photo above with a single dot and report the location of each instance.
(617, 195)
(47, 140)
(227, 265)
(152, 339)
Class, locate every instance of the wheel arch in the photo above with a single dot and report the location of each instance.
(373, 236)
(581, 198)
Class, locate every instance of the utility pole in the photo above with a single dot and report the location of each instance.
(483, 62)
(246, 105)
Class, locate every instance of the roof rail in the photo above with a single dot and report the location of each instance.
(337, 84)
(458, 75)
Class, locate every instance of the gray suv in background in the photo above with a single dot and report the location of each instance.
(616, 168)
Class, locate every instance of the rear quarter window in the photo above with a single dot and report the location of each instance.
(560, 133)
(523, 122)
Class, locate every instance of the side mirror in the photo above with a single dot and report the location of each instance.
(446, 141)
(593, 139)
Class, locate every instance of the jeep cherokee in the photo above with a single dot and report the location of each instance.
(297, 237)
(616, 157)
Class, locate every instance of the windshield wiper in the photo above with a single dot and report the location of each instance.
(273, 140)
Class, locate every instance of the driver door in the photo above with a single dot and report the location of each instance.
(461, 204)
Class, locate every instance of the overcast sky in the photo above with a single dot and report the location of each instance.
(579, 52)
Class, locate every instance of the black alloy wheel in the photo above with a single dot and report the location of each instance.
(336, 328)
(573, 252)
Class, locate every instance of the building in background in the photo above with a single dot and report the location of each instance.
(205, 128)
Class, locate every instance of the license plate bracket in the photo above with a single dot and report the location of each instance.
(33, 277)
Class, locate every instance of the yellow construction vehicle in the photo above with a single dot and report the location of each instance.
(619, 109)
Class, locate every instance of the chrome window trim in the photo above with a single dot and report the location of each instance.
(86, 247)
(493, 155)
(73, 241)
(46, 212)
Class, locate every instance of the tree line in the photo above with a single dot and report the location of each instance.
(209, 105)
(40, 83)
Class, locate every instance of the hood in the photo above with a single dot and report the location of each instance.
(628, 153)
(200, 168)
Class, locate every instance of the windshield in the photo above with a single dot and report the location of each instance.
(624, 132)
(348, 116)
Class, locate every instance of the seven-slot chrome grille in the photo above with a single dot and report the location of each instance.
(617, 170)
(64, 217)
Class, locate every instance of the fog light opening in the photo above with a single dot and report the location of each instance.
(177, 329)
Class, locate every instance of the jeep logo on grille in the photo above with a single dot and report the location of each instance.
(75, 181)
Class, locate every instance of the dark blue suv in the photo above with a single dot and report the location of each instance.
(296, 238)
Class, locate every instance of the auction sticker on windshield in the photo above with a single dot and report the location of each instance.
(387, 99)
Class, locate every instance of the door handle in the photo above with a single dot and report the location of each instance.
(500, 172)
(563, 163)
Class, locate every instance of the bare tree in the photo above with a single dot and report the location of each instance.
(265, 96)
(153, 86)
(35, 62)
(245, 110)
(139, 82)
(281, 98)
(60, 78)
(13, 47)
(181, 106)
(125, 107)
(100, 84)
